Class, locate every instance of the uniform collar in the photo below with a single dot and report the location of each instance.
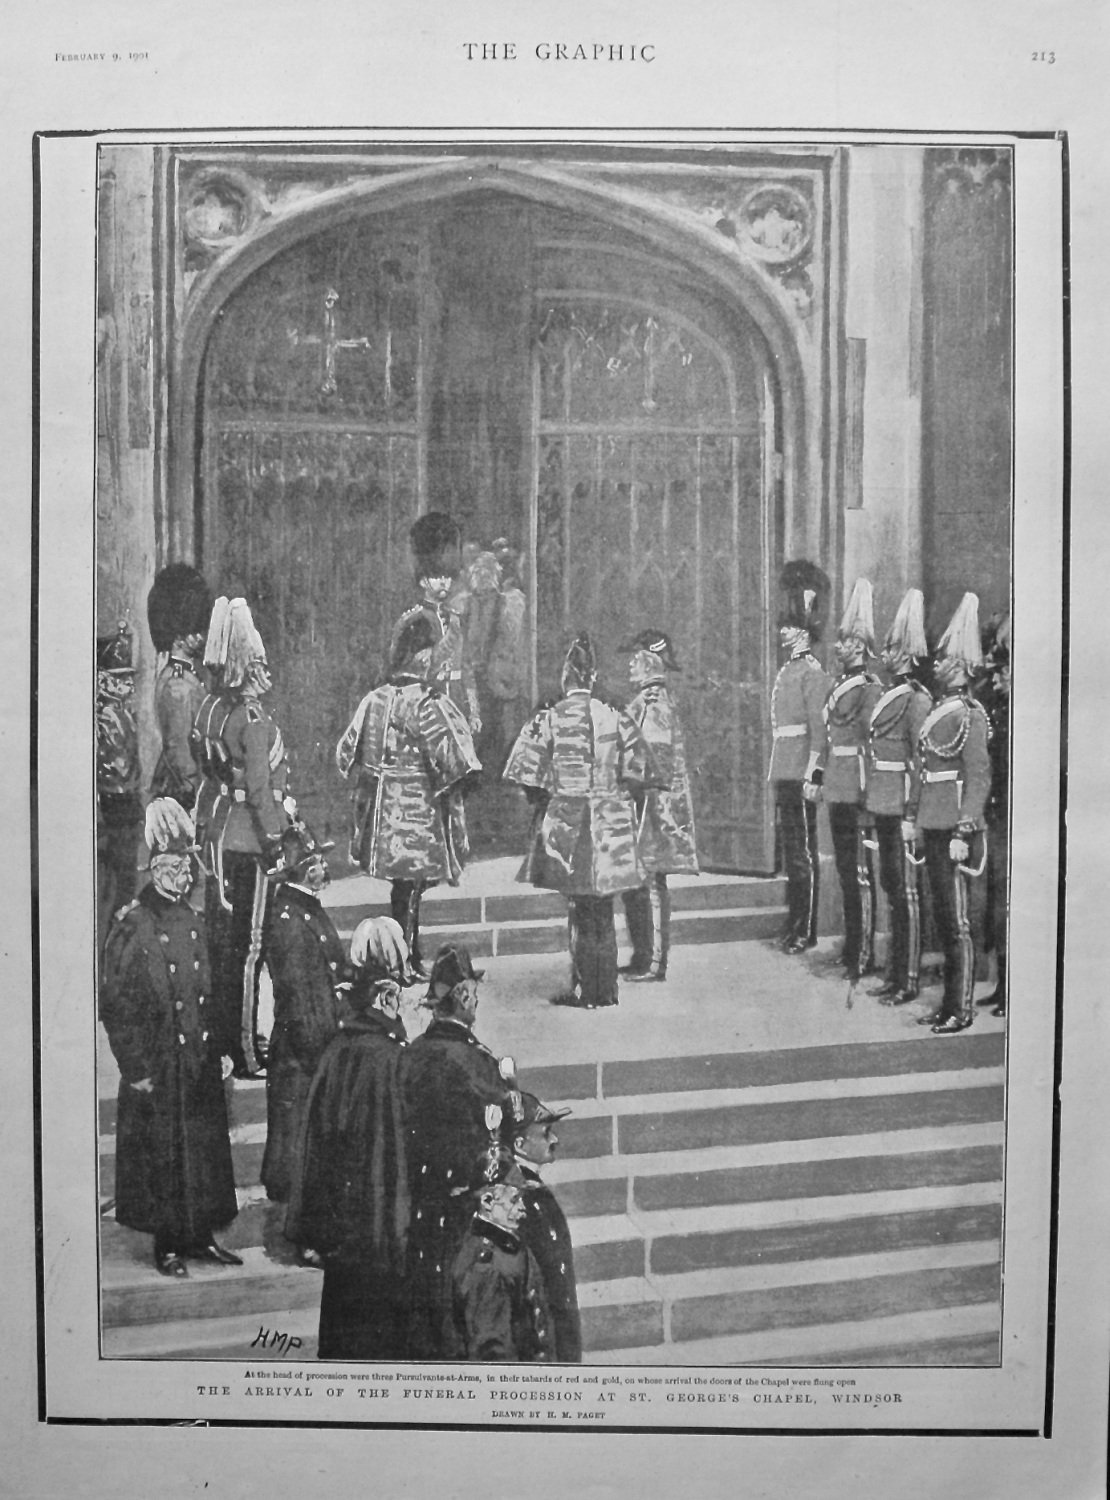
(449, 1027)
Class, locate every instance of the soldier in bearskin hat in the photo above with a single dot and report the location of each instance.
(993, 691)
(580, 761)
(436, 543)
(798, 730)
(667, 843)
(841, 771)
(450, 1078)
(119, 807)
(174, 1176)
(178, 611)
(351, 1202)
(497, 1310)
(243, 808)
(528, 1131)
(409, 750)
(892, 732)
(308, 967)
(948, 806)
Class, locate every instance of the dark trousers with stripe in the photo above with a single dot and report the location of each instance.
(855, 869)
(898, 876)
(593, 949)
(798, 828)
(404, 907)
(647, 911)
(237, 951)
(951, 895)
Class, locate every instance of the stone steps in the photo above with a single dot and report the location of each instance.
(798, 1203)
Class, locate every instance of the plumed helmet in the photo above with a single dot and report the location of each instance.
(858, 619)
(580, 664)
(436, 543)
(524, 1111)
(495, 1162)
(114, 653)
(961, 641)
(907, 633)
(658, 643)
(415, 631)
(805, 594)
(168, 828)
(233, 642)
(452, 965)
(299, 848)
(378, 946)
(179, 604)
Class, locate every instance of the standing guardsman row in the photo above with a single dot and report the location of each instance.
(665, 814)
(409, 750)
(841, 774)
(798, 729)
(949, 808)
(892, 781)
(994, 694)
(580, 761)
(242, 810)
(178, 612)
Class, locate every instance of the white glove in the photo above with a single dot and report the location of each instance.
(226, 1067)
(958, 851)
(811, 791)
(909, 832)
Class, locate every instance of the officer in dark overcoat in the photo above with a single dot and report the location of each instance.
(894, 725)
(178, 611)
(665, 813)
(952, 787)
(528, 1131)
(307, 965)
(841, 772)
(498, 1308)
(243, 807)
(450, 1079)
(798, 731)
(350, 1200)
(174, 1176)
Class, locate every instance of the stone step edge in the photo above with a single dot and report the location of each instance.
(619, 1106)
(821, 1345)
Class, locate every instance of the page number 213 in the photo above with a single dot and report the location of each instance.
(1045, 57)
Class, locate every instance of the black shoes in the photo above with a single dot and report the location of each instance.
(799, 944)
(898, 997)
(169, 1263)
(999, 1009)
(930, 1018)
(646, 976)
(215, 1252)
(950, 1025)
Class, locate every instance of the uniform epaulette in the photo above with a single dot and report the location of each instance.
(254, 713)
(125, 911)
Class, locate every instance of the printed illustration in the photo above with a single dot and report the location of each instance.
(552, 751)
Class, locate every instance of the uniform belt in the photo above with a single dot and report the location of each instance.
(239, 794)
(940, 775)
(846, 750)
(454, 676)
(789, 731)
(889, 765)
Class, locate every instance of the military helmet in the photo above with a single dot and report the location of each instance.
(804, 590)
(436, 542)
(179, 604)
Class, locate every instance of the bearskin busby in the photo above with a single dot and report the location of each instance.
(805, 594)
(436, 543)
(179, 604)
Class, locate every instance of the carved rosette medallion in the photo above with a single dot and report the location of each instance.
(219, 206)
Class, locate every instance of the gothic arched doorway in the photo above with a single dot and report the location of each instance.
(545, 378)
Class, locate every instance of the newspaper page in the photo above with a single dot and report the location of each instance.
(536, 922)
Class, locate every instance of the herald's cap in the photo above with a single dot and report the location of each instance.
(858, 619)
(961, 641)
(179, 604)
(907, 633)
(658, 643)
(415, 631)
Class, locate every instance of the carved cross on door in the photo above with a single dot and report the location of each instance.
(331, 343)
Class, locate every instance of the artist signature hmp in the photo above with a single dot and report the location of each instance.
(281, 1343)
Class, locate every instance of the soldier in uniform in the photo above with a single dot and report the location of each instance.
(580, 761)
(307, 966)
(243, 808)
(178, 610)
(498, 1309)
(119, 808)
(667, 842)
(841, 775)
(528, 1131)
(892, 732)
(174, 1176)
(994, 694)
(350, 1200)
(410, 751)
(798, 730)
(436, 540)
(450, 1078)
(948, 807)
